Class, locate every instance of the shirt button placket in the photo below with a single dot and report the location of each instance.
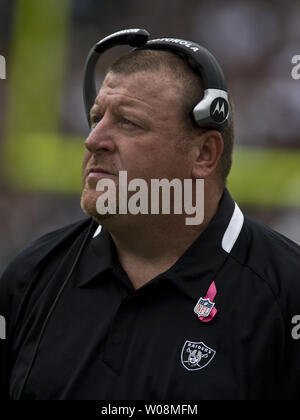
(115, 348)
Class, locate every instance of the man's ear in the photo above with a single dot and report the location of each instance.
(208, 150)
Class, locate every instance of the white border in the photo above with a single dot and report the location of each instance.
(233, 230)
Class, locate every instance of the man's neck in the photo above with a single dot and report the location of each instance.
(149, 245)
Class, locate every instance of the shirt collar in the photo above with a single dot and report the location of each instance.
(199, 266)
(99, 257)
(194, 271)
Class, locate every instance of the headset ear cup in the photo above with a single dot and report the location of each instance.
(213, 110)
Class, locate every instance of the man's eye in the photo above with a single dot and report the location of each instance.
(128, 123)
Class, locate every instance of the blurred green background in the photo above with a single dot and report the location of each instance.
(43, 127)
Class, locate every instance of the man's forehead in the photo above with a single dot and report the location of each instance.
(145, 87)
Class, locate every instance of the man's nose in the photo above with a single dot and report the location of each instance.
(101, 137)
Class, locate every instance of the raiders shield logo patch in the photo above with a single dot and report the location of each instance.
(196, 355)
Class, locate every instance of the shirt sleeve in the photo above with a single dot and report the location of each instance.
(6, 300)
(13, 284)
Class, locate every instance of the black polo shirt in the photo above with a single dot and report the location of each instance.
(96, 337)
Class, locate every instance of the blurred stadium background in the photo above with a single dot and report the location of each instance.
(42, 122)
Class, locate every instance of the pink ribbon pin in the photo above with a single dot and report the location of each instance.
(200, 308)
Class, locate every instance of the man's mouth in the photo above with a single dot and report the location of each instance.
(96, 172)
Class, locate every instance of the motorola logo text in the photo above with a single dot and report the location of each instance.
(2, 67)
(296, 68)
(296, 329)
(187, 44)
(2, 328)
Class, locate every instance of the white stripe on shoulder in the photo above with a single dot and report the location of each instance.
(233, 230)
(99, 228)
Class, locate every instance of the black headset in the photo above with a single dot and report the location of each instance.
(213, 111)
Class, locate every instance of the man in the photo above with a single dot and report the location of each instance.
(145, 306)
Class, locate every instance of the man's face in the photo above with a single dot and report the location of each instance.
(138, 127)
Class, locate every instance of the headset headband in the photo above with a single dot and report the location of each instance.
(213, 111)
